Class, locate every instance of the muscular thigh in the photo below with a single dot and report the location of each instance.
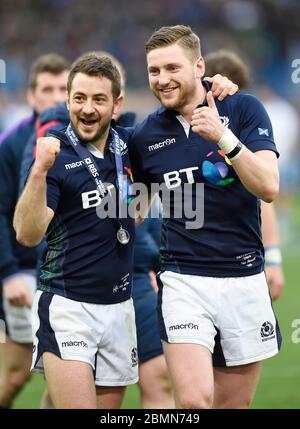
(235, 386)
(70, 382)
(190, 368)
(16, 357)
(110, 397)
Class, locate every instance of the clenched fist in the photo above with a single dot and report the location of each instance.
(47, 149)
(16, 291)
(206, 121)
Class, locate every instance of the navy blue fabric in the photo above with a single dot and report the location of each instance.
(161, 323)
(218, 355)
(148, 337)
(60, 114)
(126, 120)
(84, 261)
(229, 243)
(146, 256)
(45, 334)
(21, 125)
(13, 256)
(278, 335)
(2, 315)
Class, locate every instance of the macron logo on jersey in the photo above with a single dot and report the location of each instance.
(160, 145)
(74, 165)
(79, 164)
(263, 132)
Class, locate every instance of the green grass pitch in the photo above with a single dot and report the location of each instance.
(280, 379)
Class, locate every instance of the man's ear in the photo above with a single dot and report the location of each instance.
(68, 102)
(118, 104)
(30, 97)
(200, 68)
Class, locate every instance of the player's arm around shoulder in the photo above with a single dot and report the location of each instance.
(32, 216)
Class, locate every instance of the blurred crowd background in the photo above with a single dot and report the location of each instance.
(266, 33)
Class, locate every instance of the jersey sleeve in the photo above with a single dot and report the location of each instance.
(9, 263)
(26, 163)
(256, 130)
(53, 187)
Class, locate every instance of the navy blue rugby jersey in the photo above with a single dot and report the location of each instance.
(164, 150)
(83, 260)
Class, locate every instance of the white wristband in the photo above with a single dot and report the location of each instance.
(228, 141)
(273, 256)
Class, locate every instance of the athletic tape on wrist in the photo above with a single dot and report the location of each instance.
(228, 141)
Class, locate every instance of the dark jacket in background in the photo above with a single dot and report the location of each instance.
(13, 256)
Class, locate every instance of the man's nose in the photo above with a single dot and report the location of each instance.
(88, 107)
(163, 78)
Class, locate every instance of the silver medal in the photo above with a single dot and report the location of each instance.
(123, 236)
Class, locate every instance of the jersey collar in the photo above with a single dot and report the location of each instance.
(62, 136)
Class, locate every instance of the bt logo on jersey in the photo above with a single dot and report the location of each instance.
(215, 173)
(93, 198)
(173, 180)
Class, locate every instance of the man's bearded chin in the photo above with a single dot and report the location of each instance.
(97, 136)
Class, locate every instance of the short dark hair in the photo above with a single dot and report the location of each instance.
(228, 64)
(48, 63)
(120, 67)
(182, 35)
(93, 64)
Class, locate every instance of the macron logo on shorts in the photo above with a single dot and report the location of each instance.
(183, 326)
(74, 344)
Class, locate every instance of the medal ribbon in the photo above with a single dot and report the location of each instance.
(92, 168)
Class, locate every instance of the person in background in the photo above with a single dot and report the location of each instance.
(47, 88)
(230, 64)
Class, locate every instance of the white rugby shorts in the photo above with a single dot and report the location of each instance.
(237, 310)
(18, 319)
(103, 336)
